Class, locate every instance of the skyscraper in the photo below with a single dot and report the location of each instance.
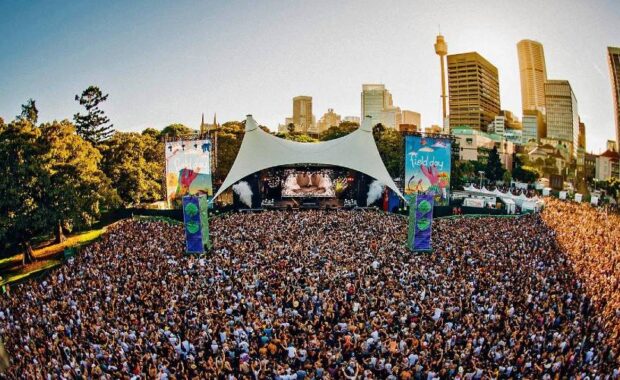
(562, 114)
(533, 75)
(473, 87)
(614, 72)
(377, 103)
(302, 113)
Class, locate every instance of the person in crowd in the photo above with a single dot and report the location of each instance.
(328, 295)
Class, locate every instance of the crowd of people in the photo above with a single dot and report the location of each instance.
(323, 295)
(591, 240)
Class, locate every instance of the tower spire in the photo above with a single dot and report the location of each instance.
(215, 120)
(202, 124)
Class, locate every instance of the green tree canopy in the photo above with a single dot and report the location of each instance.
(494, 170)
(341, 130)
(390, 145)
(29, 112)
(93, 125)
(176, 130)
(51, 178)
(154, 133)
(229, 137)
(135, 164)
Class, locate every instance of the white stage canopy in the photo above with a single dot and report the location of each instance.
(261, 150)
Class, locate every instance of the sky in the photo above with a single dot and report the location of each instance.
(170, 61)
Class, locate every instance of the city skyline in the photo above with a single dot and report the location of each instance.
(163, 63)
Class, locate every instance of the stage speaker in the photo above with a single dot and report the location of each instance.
(196, 221)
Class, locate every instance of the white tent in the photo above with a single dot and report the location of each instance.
(261, 150)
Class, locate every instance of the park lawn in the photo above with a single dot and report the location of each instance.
(54, 249)
(28, 270)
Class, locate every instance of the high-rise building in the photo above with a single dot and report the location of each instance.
(533, 126)
(377, 103)
(329, 119)
(614, 72)
(441, 49)
(473, 87)
(533, 75)
(411, 118)
(302, 113)
(562, 114)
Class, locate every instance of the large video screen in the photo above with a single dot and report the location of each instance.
(427, 167)
(313, 183)
(188, 168)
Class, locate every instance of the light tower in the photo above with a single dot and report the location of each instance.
(441, 49)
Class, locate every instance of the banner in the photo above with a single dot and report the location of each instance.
(427, 167)
(188, 169)
(420, 222)
(196, 222)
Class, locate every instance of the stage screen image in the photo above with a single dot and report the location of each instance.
(188, 168)
(427, 167)
(308, 183)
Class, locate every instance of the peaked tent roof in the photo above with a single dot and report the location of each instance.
(261, 150)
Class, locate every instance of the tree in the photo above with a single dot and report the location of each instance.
(29, 112)
(154, 133)
(341, 130)
(494, 170)
(92, 126)
(78, 188)
(290, 127)
(507, 177)
(23, 214)
(229, 137)
(390, 146)
(523, 173)
(176, 130)
(135, 164)
(50, 179)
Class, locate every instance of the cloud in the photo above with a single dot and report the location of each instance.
(426, 149)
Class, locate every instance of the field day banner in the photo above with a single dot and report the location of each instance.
(188, 169)
(427, 167)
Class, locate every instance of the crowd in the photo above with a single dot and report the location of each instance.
(319, 295)
(591, 240)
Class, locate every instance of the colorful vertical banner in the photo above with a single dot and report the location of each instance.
(203, 203)
(427, 167)
(420, 222)
(196, 222)
(188, 169)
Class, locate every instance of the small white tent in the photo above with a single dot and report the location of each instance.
(261, 150)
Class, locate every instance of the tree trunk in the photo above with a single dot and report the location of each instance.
(58, 233)
(28, 254)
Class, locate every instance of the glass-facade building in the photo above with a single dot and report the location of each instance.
(562, 114)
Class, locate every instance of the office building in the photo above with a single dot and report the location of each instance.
(377, 103)
(473, 88)
(562, 114)
(475, 145)
(533, 75)
(411, 118)
(614, 72)
(534, 127)
(302, 114)
(328, 120)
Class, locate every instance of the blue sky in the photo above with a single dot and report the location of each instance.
(164, 62)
